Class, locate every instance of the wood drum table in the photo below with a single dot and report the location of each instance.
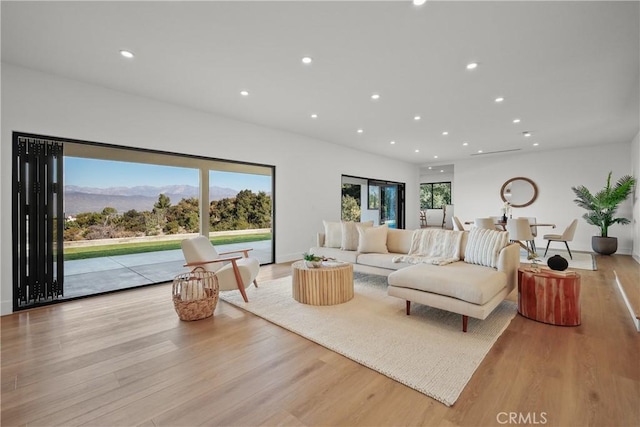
(322, 285)
(549, 297)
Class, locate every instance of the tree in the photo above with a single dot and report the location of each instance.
(246, 210)
(160, 210)
(185, 215)
(134, 222)
(350, 209)
(425, 196)
(109, 214)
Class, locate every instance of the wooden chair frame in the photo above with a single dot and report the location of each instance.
(236, 270)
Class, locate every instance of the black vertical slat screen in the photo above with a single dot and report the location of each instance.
(38, 221)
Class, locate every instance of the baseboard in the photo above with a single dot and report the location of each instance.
(6, 307)
(288, 257)
(634, 316)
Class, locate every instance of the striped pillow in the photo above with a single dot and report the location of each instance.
(484, 246)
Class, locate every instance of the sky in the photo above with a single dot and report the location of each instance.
(108, 173)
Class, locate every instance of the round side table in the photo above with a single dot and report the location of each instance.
(549, 297)
(322, 285)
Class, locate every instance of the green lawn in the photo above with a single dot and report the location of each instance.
(71, 254)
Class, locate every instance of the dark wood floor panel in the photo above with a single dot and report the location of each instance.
(125, 359)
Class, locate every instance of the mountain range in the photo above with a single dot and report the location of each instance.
(79, 199)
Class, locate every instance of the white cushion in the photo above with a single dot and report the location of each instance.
(372, 239)
(399, 240)
(381, 260)
(350, 234)
(332, 234)
(467, 282)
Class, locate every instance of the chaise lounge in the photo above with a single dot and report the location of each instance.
(481, 272)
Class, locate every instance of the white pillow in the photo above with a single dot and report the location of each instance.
(372, 239)
(484, 246)
(350, 234)
(332, 234)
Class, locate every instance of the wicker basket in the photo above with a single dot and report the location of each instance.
(195, 294)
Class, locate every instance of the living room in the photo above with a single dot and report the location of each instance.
(63, 104)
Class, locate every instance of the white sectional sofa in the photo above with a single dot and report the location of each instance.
(470, 287)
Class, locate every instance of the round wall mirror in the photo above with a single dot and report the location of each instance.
(519, 192)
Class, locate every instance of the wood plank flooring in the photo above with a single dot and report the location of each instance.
(629, 279)
(125, 359)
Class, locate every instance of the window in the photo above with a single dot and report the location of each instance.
(374, 200)
(435, 195)
(126, 211)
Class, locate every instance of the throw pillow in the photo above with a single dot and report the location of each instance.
(332, 234)
(372, 239)
(484, 246)
(350, 234)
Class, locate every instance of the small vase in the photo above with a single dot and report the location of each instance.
(557, 263)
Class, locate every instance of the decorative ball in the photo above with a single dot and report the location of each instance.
(557, 263)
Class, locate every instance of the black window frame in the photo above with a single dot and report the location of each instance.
(446, 202)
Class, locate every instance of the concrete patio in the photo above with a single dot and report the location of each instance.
(98, 275)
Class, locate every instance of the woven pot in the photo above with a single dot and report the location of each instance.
(195, 294)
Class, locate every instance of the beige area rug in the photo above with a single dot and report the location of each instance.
(426, 351)
(580, 261)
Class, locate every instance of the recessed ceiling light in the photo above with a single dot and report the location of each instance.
(430, 168)
(419, 2)
(417, 151)
(472, 66)
(375, 96)
(127, 54)
(535, 144)
(307, 60)
(244, 93)
(479, 151)
(360, 130)
(435, 157)
(526, 134)
(314, 116)
(416, 117)
(392, 142)
(516, 120)
(465, 143)
(441, 170)
(499, 99)
(445, 133)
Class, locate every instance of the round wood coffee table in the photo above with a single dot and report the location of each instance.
(322, 285)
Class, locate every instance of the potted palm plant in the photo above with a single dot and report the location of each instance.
(601, 210)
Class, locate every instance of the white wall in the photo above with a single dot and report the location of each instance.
(478, 182)
(436, 177)
(44, 104)
(635, 222)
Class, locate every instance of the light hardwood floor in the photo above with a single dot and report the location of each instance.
(126, 359)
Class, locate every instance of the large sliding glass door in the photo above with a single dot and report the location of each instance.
(127, 210)
(382, 202)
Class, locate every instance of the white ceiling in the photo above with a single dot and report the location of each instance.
(569, 70)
